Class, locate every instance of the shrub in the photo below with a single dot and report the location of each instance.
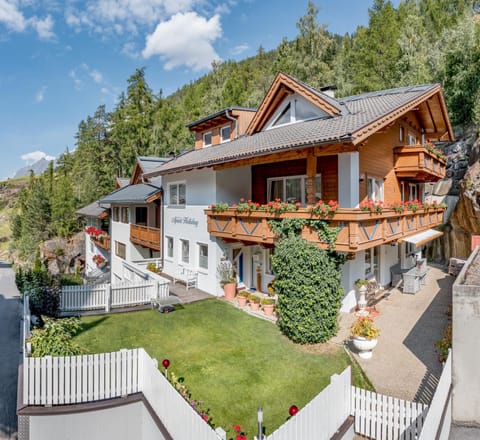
(70, 280)
(45, 301)
(56, 338)
(308, 284)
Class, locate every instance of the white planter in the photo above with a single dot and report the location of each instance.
(364, 346)
(362, 298)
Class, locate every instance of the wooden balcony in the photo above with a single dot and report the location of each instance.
(417, 163)
(358, 230)
(145, 236)
(103, 242)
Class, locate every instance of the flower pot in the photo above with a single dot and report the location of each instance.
(362, 299)
(268, 309)
(364, 346)
(102, 265)
(254, 306)
(242, 301)
(230, 290)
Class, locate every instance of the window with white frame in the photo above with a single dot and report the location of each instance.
(177, 194)
(116, 214)
(295, 109)
(124, 214)
(412, 139)
(412, 191)
(207, 139)
(225, 133)
(185, 251)
(400, 134)
(375, 188)
(169, 247)
(292, 189)
(372, 263)
(120, 250)
(202, 256)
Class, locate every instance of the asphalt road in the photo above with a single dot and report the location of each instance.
(9, 351)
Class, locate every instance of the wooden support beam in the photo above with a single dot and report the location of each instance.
(311, 174)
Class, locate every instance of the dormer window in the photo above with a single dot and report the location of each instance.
(225, 133)
(295, 108)
(207, 139)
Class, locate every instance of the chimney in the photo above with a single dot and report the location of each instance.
(329, 90)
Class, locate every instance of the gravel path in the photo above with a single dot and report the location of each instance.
(9, 352)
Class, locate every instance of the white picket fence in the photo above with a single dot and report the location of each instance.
(78, 379)
(178, 416)
(105, 296)
(437, 423)
(50, 381)
(383, 417)
(322, 416)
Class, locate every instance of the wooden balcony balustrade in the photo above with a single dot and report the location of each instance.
(145, 236)
(417, 163)
(358, 230)
(103, 242)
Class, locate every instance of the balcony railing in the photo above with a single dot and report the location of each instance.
(145, 236)
(416, 162)
(357, 229)
(102, 242)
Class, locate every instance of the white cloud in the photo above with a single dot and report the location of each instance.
(35, 156)
(43, 27)
(121, 16)
(97, 76)
(82, 73)
(185, 39)
(237, 50)
(40, 96)
(130, 50)
(13, 18)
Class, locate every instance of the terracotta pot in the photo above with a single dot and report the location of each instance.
(268, 309)
(255, 306)
(230, 290)
(364, 346)
(242, 301)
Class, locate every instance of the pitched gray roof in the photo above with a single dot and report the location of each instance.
(220, 112)
(139, 193)
(123, 181)
(92, 210)
(149, 162)
(357, 112)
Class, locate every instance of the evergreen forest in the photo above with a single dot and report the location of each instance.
(418, 42)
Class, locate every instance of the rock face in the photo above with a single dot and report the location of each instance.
(64, 255)
(465, 220)
(461, 191)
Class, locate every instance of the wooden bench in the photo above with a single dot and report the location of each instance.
(187, 276)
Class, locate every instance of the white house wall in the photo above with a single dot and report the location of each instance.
(91, 248)
(126, 422)
(190, 223)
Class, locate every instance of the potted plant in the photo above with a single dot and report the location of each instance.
(99, 260)
(228, 278)
(254, 301)
(242, 297)
(361, 286)
(268, 305)
(364, 336)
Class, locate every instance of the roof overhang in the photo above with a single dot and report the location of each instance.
(423, 237)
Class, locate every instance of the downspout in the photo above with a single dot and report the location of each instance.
(234, 120)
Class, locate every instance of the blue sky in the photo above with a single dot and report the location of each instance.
(60, 59)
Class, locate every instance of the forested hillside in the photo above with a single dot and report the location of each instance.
(419, 42)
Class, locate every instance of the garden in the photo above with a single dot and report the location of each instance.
(225, 362)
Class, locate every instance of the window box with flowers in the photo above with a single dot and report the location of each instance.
(99, 260)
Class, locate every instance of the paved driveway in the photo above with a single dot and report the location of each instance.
(9, 350)
(405, 363)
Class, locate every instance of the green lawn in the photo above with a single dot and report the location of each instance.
(230, 360)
